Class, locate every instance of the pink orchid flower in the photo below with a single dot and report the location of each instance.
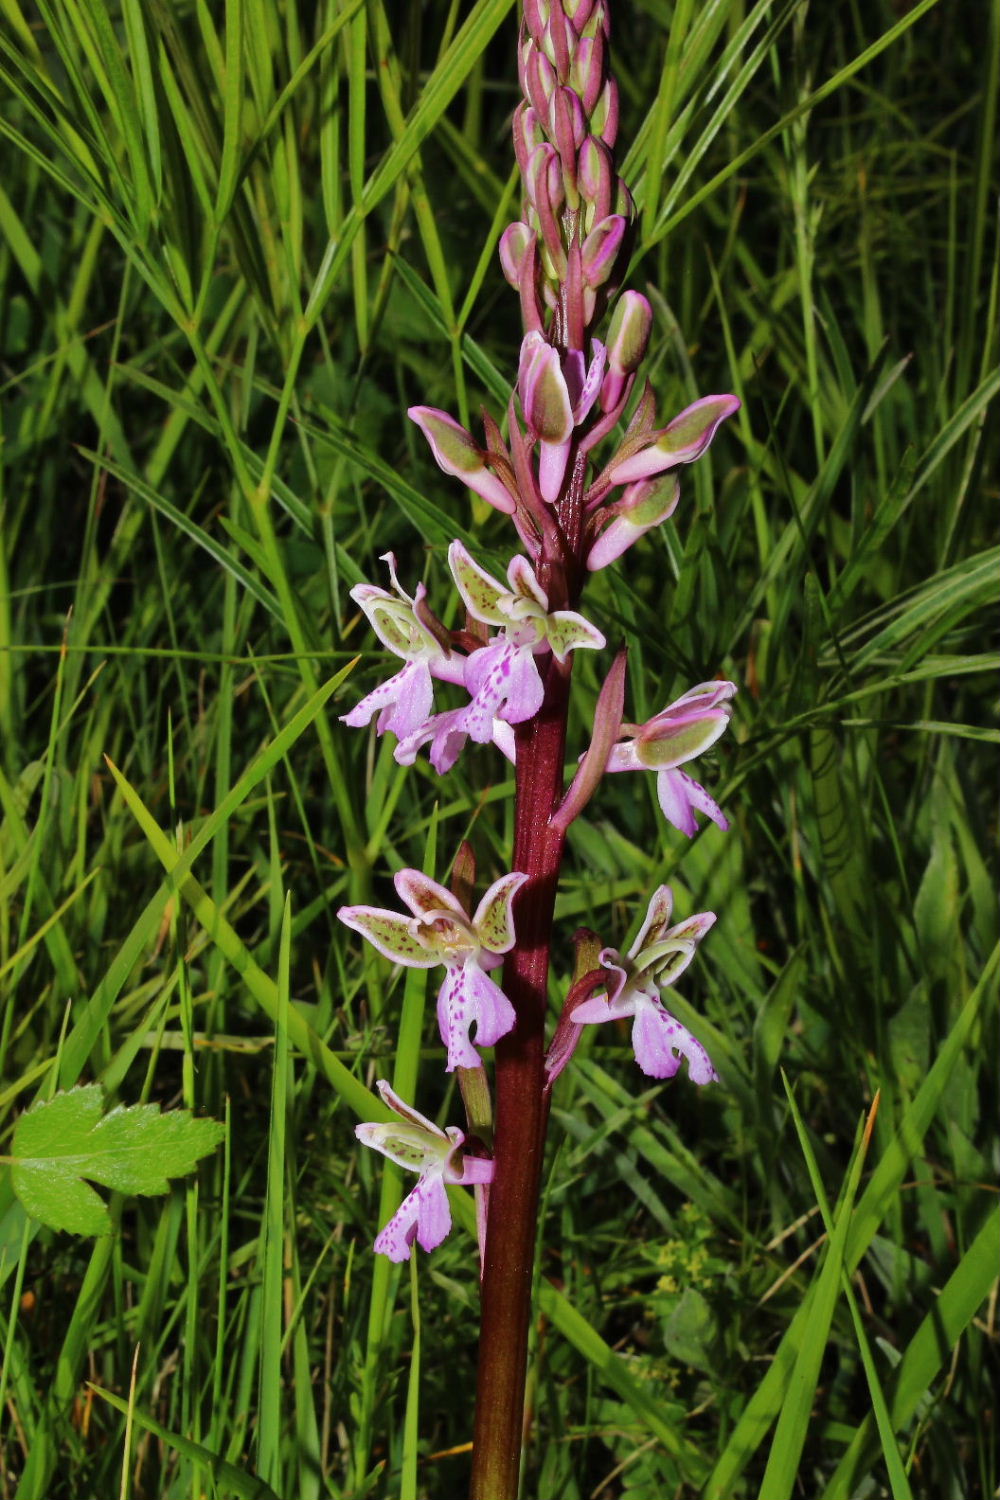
(557, 392)
(656, 960)
(403, 625)
(686, 728)
(419, 1145)
(503, 676)
(437, 931)
(680, 442)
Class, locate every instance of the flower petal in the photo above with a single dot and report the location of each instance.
(403, 703)
(493, 922)
(567, 631)
(493, 1012)
(380, 700)
(667, 742)
(504, 682)
(679, 794)
(424, 1215)
(410, 1146)
(662, 964)
(643, 506)
(408, 1113)
(467, 997)
(458, 454)
(391, 933)
(422, 894)
(593, 1012)
(480, 591)
(660, 1042)
(448, 733)
(657, 920)
(680, 442)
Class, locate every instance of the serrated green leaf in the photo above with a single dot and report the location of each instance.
(67, 1142)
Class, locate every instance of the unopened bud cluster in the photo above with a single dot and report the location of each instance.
(577, 210)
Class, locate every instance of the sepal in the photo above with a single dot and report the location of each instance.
(680, 442)
(457, 453)
(645, 504)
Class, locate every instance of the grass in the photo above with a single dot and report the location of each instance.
(232, 250)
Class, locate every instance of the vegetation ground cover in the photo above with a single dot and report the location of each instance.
(236, 242)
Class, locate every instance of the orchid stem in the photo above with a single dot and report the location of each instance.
(520, 1108)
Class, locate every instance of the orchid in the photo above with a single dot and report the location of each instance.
(419, 1145)
(502, 677)
(656, 960)
(438, 931)
(574, 513)
(457, 453)
(407, 628)
(678, 733)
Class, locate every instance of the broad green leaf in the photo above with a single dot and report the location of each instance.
(63, 1144)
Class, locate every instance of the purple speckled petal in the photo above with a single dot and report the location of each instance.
(424, 1215)
(454, 1014)
(402, 702)
(660, 1042)
(414, 701)
(467, 997)
(505, 684)
(525, 692)
(447, 732)
(679, 795)
(486, 676)
(380, 698)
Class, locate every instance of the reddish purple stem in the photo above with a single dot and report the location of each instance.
(521, 1100)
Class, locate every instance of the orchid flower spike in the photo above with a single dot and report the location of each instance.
(439, 932)
(420, 1146)
(407, 628)
(656, 960)
(678, 733)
